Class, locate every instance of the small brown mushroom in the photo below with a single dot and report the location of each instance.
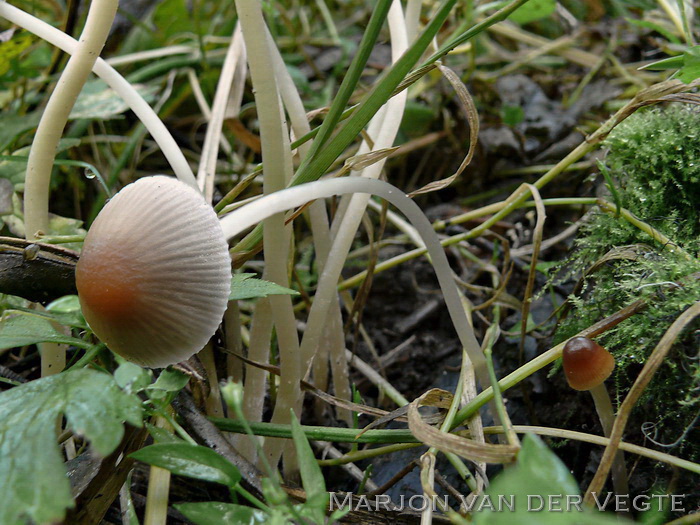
(587, 365)
(154, 274)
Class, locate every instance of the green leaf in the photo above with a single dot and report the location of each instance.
(130, 511)
(243, 286)
(132, 377)
(533, 10)
(65, 304)
(192, 461)
(691, 65)
(417, 118)
(311, 475)
(646, 24)
(170, 380)
(66, 310)
(13, 167)
(12, 47)
(23, 328)
(172, 17)
(223, 513)
(512, 115)
(545, 267)
(33, 480)
(160, 435)
(14, 125)
(541, 490)
(98, 101)
(665, 63)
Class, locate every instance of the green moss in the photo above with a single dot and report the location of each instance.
(654, 158)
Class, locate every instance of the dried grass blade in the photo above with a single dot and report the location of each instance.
(467, 103)
(466, 448)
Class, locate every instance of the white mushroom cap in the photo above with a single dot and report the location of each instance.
(154, 274)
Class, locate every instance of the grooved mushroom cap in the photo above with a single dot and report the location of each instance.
(586, 363)
(154, 274)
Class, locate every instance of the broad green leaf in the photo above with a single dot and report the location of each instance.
(132, 377)
(14, 125)
(65, 304)
(691, 65)
(533, 10)
(160, 435)
(14, 167)
(12, 47)
(541, 491)
(243, 286)
(170, 380)
(33, 480)
(192, 461)
(66, 310)
(23, 328)
(172, 17)
(417, 118)
(221, 513)
(99, 101)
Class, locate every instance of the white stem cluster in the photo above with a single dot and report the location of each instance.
(243, 218)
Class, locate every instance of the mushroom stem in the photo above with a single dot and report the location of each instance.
(250, 214)
(48, 133)
(158, 487)
(603, 406)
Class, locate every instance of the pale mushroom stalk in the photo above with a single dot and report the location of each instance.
(277, 158)
(157, 496)
(243, 218)
(53, 120)
(604, 408)
(48, 134)
(587, 365)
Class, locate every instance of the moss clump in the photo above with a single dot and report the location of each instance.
(654, 159)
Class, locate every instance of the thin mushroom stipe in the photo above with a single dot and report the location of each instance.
(154, 274)
(587, 365)
(249, 215)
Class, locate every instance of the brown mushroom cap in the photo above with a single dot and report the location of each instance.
(154, 274)
(586, 363)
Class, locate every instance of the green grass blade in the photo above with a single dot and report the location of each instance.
(352, 77)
